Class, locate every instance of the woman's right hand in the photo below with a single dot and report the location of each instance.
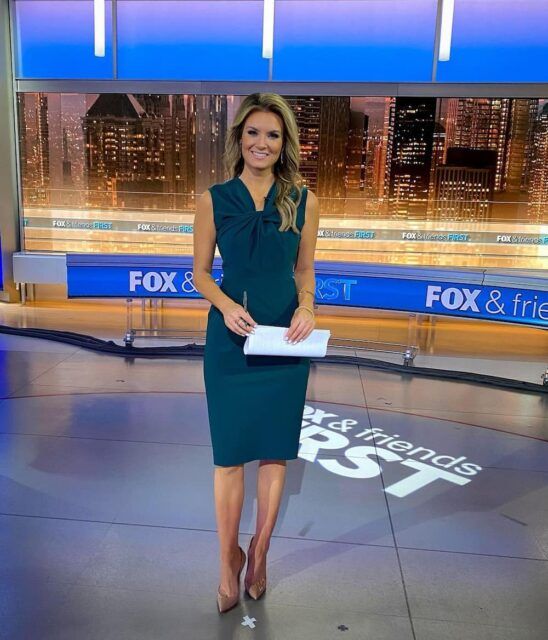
(235, 317)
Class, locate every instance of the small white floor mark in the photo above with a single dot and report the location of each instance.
(249, 622)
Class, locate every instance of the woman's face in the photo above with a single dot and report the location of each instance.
(262, 140)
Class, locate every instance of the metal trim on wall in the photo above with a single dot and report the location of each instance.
(388, 89)
(114, 14)
(14, 44)
(437, 40)
(9, 188)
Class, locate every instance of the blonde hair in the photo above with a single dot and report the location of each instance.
(286, 173)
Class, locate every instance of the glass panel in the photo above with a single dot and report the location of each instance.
(348, 41)
(456, 181)
(313, 40)
(498, 41)
(60, 39)
(201, 40)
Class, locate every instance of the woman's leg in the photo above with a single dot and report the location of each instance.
(270, 485)
(229, 498)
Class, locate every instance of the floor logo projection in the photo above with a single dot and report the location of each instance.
(324, 432)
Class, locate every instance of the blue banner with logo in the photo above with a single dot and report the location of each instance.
(448, 292)
(527, 306)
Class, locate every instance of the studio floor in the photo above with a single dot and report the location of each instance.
(107, 524)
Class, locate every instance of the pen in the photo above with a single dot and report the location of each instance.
(245, 307)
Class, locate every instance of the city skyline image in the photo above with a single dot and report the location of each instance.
(392, 159)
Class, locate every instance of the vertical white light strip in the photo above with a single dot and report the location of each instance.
(99, 27)
(446, 31)
(268, 28)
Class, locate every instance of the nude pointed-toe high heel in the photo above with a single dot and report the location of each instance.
(224, 602)
(255, 589)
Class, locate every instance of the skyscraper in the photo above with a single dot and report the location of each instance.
(409, 156)
(333, 144)
(356, 154)
(183, 143)
(484, 123)
(34, 148)
(307, 112)
(67, 165)
(124, 156)
(324, 124)
(463, 186)
(438, 157)
(211, 129)
(176, 116)
(522, 116)
(538, 188)
(356, 163)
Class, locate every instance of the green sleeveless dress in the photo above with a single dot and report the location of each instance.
(255, 403)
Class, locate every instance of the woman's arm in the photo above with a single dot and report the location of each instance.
(305, 277)
(205, 238)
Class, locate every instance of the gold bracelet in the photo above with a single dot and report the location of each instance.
(307, 291)
(303, 307)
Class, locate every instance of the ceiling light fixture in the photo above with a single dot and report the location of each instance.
(99, 27)
(446, 31)
(268, 28)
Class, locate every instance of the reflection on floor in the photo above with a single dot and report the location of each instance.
(402, 518)
(434, 335)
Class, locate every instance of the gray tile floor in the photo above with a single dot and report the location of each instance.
(107, 522)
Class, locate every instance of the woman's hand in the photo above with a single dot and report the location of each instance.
(302, 325)
(237, 319)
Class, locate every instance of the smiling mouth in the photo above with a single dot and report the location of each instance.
(259, 155)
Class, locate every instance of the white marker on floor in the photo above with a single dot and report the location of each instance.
(249, 622)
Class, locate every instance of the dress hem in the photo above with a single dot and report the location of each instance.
(233, 464)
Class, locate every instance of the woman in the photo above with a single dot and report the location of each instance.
(266, 227)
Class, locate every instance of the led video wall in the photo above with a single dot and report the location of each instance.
(497, 41)
(62, 39)
(400, 180)
(301, 40)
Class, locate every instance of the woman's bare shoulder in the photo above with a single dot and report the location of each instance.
(204, 202)
(311, 196)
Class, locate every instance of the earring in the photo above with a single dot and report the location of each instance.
(282, 157)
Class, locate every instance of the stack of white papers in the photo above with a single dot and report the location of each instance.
(269, 341)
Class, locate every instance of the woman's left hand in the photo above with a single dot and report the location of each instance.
(302, 325)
